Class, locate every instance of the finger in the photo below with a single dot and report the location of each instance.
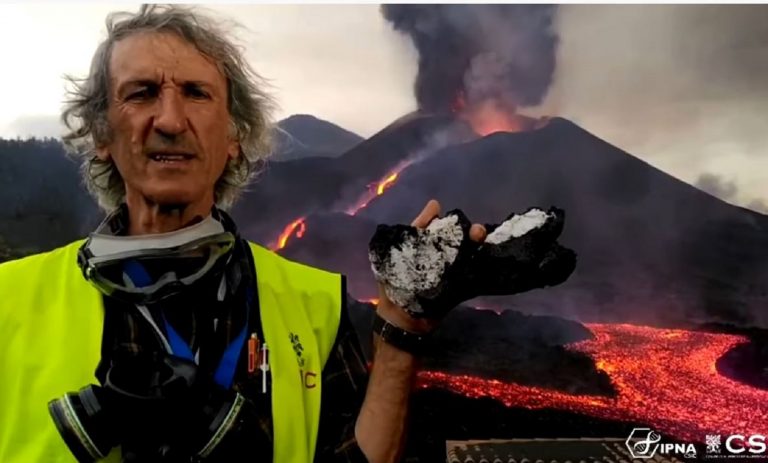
(477, 233)
(430, 211)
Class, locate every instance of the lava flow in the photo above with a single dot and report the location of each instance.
(665, 378)
(297, 225)
(378, 188)
(375, 189)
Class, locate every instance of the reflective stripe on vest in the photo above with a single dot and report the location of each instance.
(51, 323)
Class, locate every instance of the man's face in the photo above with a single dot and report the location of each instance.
(169, 120)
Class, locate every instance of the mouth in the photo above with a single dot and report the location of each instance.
(170, 158)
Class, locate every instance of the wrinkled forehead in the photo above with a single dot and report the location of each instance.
(161, 57)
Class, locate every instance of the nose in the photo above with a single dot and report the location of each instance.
(170, 119)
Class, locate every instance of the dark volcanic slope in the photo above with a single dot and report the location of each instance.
(291, 189)
(42, 201)
(302, 135)
(650, 246)
(321, 246)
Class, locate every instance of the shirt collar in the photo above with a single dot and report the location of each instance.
(117, 222)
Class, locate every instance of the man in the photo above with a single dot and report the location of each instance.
(205, 347)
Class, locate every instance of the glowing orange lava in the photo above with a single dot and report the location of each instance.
(459, 103)
(665, 378)
(377, 189)
(386, 183)
(490, 116)
(297, 225)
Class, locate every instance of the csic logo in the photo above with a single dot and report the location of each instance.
(308, 378)
(736, 446)
(643, 443)
(754, 444)
(713, 442)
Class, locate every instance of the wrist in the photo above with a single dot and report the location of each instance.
(403, 340)
(401, 319)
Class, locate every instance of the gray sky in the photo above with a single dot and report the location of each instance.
(682, 87)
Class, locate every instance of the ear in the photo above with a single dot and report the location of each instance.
(102, 152)
(233, 149)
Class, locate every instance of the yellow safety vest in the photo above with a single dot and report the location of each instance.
(51, 322)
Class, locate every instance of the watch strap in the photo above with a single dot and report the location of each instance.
(413, 343)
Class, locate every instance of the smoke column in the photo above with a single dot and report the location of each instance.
(476, 53)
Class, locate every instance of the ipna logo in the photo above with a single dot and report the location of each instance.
(643, 442)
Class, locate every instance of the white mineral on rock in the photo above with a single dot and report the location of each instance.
(518, 225)
(417, 265)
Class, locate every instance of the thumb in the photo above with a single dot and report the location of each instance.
(430, 211)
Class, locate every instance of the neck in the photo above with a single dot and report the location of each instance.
(146, 217)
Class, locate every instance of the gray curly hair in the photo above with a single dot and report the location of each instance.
(250, 107)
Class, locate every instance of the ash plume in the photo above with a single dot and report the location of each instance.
(475, 53)
(717, 186)
(758, 205)
(727, 190)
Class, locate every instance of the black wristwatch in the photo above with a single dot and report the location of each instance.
(413, 343)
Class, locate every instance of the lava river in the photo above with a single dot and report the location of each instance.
(665, 378)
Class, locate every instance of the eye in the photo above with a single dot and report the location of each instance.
(142, 93)
(196, 92)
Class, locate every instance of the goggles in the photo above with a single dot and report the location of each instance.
(147, 268)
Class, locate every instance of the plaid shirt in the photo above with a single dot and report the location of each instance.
(344, 377)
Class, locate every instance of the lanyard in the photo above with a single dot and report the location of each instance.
(225, 371)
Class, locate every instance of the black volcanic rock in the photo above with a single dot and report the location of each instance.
(746, 362)
(428, 272)
(302, 135)
(651, 248)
